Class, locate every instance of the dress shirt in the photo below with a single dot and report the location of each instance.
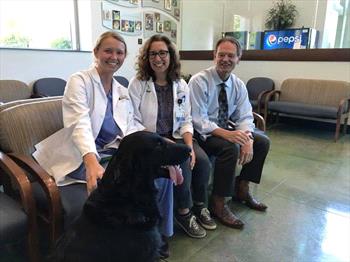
(204, 91)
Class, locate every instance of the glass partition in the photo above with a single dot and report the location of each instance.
(318, 24)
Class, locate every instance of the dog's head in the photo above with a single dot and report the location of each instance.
(129, 178)
(140, 157)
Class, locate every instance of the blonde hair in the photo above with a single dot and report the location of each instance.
(107, 34)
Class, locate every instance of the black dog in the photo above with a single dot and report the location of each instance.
(119, 220)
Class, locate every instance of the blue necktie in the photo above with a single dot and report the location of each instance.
(223, 107)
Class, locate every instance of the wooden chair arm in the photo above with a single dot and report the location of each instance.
(343, 102)
(21, 182)
(50, 188)
(259, 99)
(276, 94)
(260, 122)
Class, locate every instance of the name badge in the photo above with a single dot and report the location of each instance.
(180, 109)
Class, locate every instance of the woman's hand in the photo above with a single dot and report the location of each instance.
(94, 171)
(188, 139)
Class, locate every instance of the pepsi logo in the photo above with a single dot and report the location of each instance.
(272, 39)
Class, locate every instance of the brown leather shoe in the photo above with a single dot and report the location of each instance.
(244, 197)
(223, 213)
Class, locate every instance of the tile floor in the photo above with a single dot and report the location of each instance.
(306, 184)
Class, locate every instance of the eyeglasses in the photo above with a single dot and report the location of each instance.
(161, 54)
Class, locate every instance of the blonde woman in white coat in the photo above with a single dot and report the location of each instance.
(97, 114)
(161, 104)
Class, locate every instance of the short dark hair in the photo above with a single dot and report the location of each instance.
(231, 40)
(143, 67)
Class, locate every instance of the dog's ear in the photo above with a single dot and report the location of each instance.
(112, 172)
(118, 171)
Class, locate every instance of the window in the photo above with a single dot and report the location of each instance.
(39, 24)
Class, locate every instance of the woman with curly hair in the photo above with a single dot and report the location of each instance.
(161, 104)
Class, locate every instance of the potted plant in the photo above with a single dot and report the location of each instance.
(282, 15)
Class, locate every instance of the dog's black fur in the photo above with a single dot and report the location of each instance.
(119, 220)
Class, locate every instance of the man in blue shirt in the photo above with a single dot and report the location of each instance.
(223, 121)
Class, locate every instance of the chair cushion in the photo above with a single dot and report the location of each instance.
(50, 86)
(303, 109)
(11, 90)
(73, 198)
(256, 85)
(314, 91)
(122, 80)
(254, 103)
(13, 220)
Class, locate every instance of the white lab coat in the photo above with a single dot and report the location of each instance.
(84, 106)
(144, 99)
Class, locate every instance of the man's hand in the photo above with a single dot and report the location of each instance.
(193, 159)
(234, 136)
(246, 153)
(94, 171)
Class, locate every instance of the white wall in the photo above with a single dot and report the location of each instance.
(280, 70)
(28, 65)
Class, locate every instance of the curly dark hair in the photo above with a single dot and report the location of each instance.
(143, 67)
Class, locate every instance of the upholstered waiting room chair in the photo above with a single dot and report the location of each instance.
(22, 127)
(50, 86)
(17, 210)
(257, 88)
(11, 90)
(25, 101)
(122, 80)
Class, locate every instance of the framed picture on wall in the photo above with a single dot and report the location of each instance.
(149, 22)
(138, 26)
(157, 1)
(167, 26)
(173, 33)
(157, 16)
(167, 5)
(116, 24)
(159, 28)
(177, 12)
(128, 26)
(106, 15)
(116, 15)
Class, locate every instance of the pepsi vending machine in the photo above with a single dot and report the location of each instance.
(293, 38)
